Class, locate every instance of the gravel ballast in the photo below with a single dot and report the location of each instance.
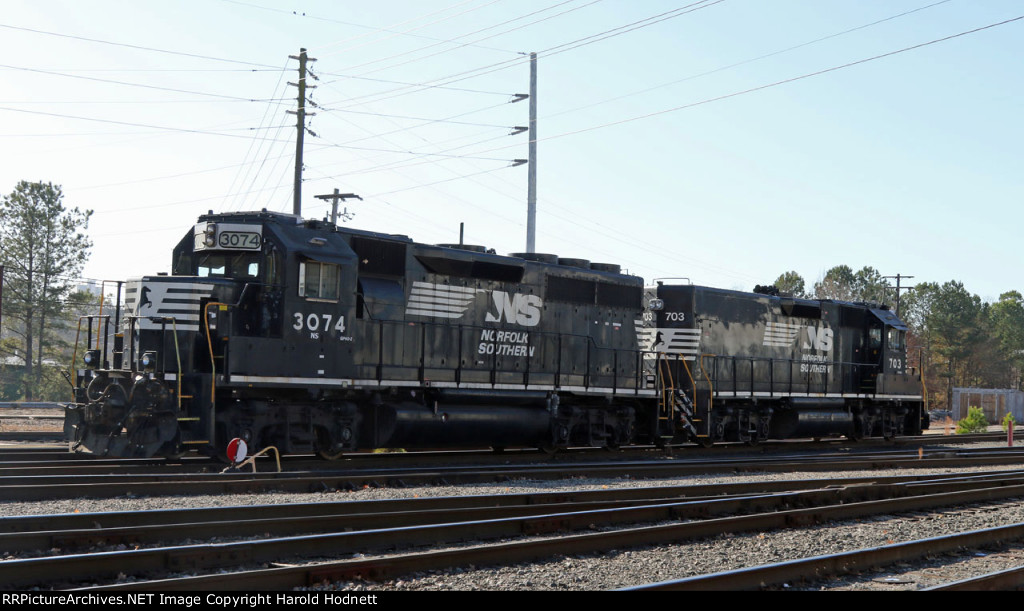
(629, 567)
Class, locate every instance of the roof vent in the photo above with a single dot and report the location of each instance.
(581, 263)
(614, 268)
(469, 247)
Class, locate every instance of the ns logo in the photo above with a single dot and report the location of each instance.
(818, 339)
(516, 308)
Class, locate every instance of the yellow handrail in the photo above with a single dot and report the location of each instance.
(177, 353)
(693, 384)
(711, 389)
(74, 355)
(209, 344)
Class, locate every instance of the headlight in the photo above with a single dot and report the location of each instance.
(210, 233)
(92, 359)
(149, 361)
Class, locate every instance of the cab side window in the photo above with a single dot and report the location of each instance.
(319, 280)
(875, 338)
(896, 339)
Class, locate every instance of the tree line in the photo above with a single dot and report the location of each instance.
(955, 338)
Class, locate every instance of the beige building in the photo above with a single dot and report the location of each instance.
(994, 402)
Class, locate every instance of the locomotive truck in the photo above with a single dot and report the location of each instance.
(316, 338)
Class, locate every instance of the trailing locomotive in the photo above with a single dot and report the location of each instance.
(756, 366)
(314, 338)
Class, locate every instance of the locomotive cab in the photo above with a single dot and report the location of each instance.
(192, 340)
(888, 351)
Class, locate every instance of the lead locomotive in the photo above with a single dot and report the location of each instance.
(315, 338)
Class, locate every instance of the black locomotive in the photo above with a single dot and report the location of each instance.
(314, 338)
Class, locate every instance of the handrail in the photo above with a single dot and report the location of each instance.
(177, 348)
(829, 381)
(924, 385)
(101, 314)
(711, 388)
(666, 390)
(78, 337)
(849, 373)
(693, 384)
(468, 331)
(209, 344)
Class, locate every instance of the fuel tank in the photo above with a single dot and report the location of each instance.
(812, 417)
(410, 425)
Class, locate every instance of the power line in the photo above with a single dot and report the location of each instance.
(471, 43)
(749, 61)
(239, 178)
(129, 84)
(130, 124)
(790, 80)
(506, 64)
(131, 46)
(765, 86)
(409, 33)
(424, 122)
(406, 84)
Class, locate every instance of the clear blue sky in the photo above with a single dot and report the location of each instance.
(696, 142)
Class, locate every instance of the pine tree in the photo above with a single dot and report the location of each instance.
(42, 248)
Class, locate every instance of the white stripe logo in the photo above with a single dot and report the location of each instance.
(670, 341)
(439, 300)
(780, 334)
(163, 300)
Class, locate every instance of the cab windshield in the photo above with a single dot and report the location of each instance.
(232, 265)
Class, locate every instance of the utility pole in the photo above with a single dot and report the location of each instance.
(898, 277)
(334, 204)
(531, 176)
(300, 125)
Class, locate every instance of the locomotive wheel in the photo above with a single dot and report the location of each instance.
(173, 449)
(857, 434)
(324, 454)
(705, 442)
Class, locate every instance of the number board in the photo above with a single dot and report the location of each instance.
(228, 236)
(238, 240)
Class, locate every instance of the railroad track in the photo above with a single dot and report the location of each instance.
(816, 570)
(87, 550)
(41, 481)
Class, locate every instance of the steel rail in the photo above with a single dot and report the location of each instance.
(25, 488)
(73, 521)
(224, 524)
(41, 436)
(20, 535)
(1008, 579)
(821, 567)
(106, 565)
